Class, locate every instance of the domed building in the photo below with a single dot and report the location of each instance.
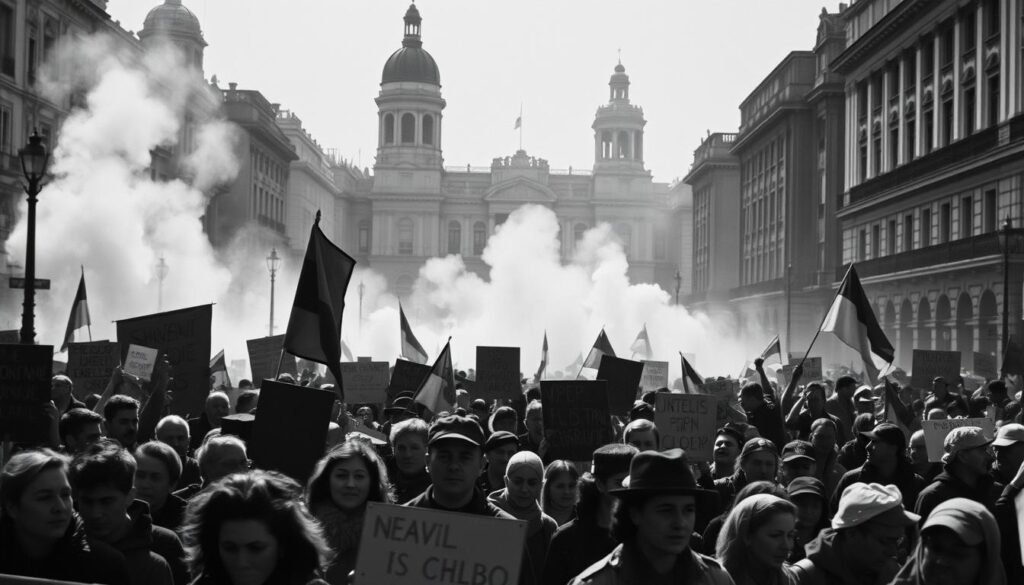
(171, 22)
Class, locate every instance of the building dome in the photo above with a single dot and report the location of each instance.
(171, 18)
(411, 62)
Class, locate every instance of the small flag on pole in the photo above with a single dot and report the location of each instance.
(519, 122)
(774, 348)
(853, 321)
(437, 391)
(642, 345)
(602, 347)
(79, 314)
(411, 348)
(543, 358)
(690, 376)
(219, 378)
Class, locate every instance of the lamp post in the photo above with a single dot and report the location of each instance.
(161, 273)
(361, 289)
(679, 284)
(34, 159)
(1004, 240)
(273, 261)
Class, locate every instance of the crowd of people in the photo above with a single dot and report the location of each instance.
(824, 483)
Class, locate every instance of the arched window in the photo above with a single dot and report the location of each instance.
(405, 236)
(625, 233)
(364, 236)
(606, 145)
(479, 238)
(454, 237)
(624, 145)
(408, 129)
(389, 128)
(428, 129)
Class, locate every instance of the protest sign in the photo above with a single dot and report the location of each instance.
(265, 354)
(812, 370)
(497, 373)
(365, 382)
(184, 336)
(239, 425)
(935, 432)
(406, 377)
(654, 376)
(687, 421)
(25, 389)
(623, 377)
(985, 366)
(576, 419)
(140, 361)
(931, 363)
(400, 545)
(291, 428)
(90, 365)
(10, 336)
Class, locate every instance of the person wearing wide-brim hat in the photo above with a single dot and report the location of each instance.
(654, 520)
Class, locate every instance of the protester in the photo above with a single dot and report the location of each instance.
(217, 407)
(886, 463)
(504, 419)
(62, 394)
(1009, 468)
(524, 478)
(408, 468)
(840, 405)
(797, 461)
(41, 536)
(959, 545)
(218, 457)
(247, 402)
(642, 434)
(338, 490)
(121, 414)
(812, 513)
(158, 470)
(533, 438)
(918, 453)
(654, 520)
(965, 472)
(79, 428)
(757, 540)
(173, 430)
(758, 461)
(479, 408)
(714, 527)
(498, 449)
(762, 409)
(560, 491)
(854, 452)
(809, 408)
(728, 441)
(940, 396)
(253, 529)
(826, 455)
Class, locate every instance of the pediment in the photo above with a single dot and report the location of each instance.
(520, 190)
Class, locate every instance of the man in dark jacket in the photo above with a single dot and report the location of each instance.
(1009, 469)
(965, 472)
(886, 464)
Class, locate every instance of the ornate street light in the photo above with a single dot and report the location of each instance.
(34, 160)
(273, 261)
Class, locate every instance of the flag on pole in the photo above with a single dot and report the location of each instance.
(314, 326)
(543, 358)
(853, 321)
(642, 345)
(519, 122)
(690, 376)
(219, 378)
(411, 348)
(346, 353)
(79, 314)
(602, 347)
(774, 348)
(577, 364)
(437, 390)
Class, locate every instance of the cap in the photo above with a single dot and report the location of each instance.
(962, 439)
(612, 460)
(887, 432)
(862, 502)
(806, 485)
(1009, 434)
(797, 450)
(957, 514)
(399, 404)
(758, 444)
(500, 438)
(455, 427)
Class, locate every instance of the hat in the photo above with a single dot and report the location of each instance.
(500, 438)
(887, 432)
(758, 444)
(660, 472)
(641, 409)
(1009, 434)
(797, 450)
(455, 427)
(478, 404)
(859, 395)
(962, 439)
(401, 403)
(955, 514)
(872, 501)
(612, 460)
(730, 429)
(806, 485)
(938, 379)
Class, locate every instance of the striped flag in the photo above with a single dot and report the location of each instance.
(437, 390)
(642, 345)
(411, 348)
(79, 314)
(690, 376)
(853, 321)
(602, 347)
(774, 348)
(219, 378)
(543, 358)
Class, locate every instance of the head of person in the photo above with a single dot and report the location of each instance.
(524, 479)
(846, 386)
(103, 481)
(808, 495)
(217, 407)
(121, 414)
(610, 466)
(959, 545)
(823, 435)
(1008, 451)
(886, 444)
(499, 449)
(365, 414)
(917, 406)
(80, 428)
(61, 388)
(797, 461)
(35, 496)
(247, 402)
(759, 460)
(815, 393)
(173, 430)
(657, 504)
(936, 414)
(402, 408)
(479, 408)
(221, 456)
(504, 419)
(348, 477)
(157, 471)
(757, 536)
(872, 523)
(245, 384)
(253, 529)
(957, 409)
(642, 434)
(534, 419)
(940, 387)
(561, 481)
(454, 458)
(728, 441)
(751, 396)
(864, 401)
(966, 450)
(917, 450)
(863, 423)
(409, 440)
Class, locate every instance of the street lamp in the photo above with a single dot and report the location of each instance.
(161, 273)
(34, 159)
(361, 289)
(1004, 242)
(273, 261)
(679, 284)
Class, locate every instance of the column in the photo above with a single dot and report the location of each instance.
(919, 75)
(884, 142)
(872, 171)
(955, 132)
(936, 90)
(901, 127)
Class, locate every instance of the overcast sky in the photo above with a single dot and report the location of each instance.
(691, 63)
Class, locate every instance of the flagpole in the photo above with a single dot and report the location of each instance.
(280, 360)
(520, 125)
(88, 325)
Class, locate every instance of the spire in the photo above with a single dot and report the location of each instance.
(412, 27)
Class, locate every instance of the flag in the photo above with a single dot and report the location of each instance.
(642, 345)
(519, 122)
(346, 353)
(774, 348)
(437, 390)
(543, 358)
(576, 365)
(851, 320)
(690, 376)
(79, 314)
(602, 347)
(219, 378)
(1013, 358)
(411, 348)
(314, 326)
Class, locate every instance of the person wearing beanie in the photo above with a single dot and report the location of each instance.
(886, 463)
(965, 472)
(524, 478)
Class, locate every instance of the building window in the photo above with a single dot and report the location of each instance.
(862, 246)
(908, 232)
(6, 118)
(926, 227)
(945, 223)
(910, 139)
(405, 236)
(389, 128)
(479, 238)
(606, 145)
(49, 39)
(876, 241)
(966, 217)
(929, 131)
(408, 129)
(32, 57)
(970, 30)
(890, 238)
(894, 146)
(364, 236)
(623, 145)
(947, 121)
(990, 211)
(970, 105)
(428, 129)
(454, 237)
(6, 40)
(993, 99)
(992, 18)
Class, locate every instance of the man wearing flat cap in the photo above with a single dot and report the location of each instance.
(965, 472)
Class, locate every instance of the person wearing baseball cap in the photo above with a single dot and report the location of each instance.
(498, 449)
(886, 463)
(797, 461)
(1009, 469)
(862, 544)
(965, 471)
(654, 523)
(959, 544)
(808, 495)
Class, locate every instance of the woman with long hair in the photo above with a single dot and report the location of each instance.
(757, 539)
(560, 493)
(343, 481)
(523, 479)
(714, 528)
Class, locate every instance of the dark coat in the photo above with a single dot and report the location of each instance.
(574, 547)
(947, 486)
(75, 558)
(172, 513)
(148, 548)
(910, 483)
(627, 567)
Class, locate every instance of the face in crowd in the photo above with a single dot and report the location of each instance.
(124, 426)
(153, 482)
(563, 489)
(726, 449)
(523, 484)
(248, 551)
(454, 466)
(175, 434)
(411, 454)
(664, 523)
(760, 466)
(44, 510)
(350, 483)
